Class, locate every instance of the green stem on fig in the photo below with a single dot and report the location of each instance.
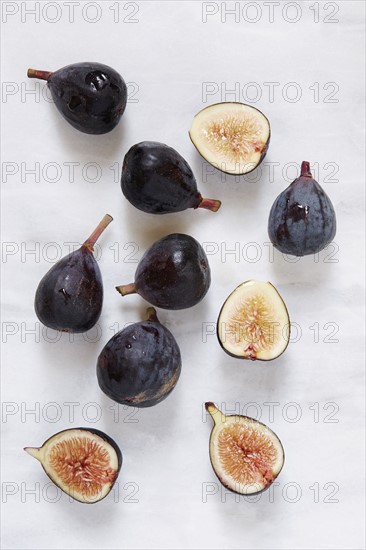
(215, 413)
(33, 451)
(42, 75)
(90, 242)
(209, 204)
(305, 169)
(126, 289)
(151, 314)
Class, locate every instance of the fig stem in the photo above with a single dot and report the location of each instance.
(126, 289)
(33, 451)
(90, 242)
(215, 413)
(42, 75)
(305, 169)
(210, 204)
(151, 314)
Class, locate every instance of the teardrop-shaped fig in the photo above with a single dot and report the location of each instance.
(82, 462)
(302, 220)
(156, 179)
(141, 364)
(254, 323)
(233, 137)
(90, 96)
(173, 273)
(70, 296)
(245, 454)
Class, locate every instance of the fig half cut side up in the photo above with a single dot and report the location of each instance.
(233, 137)
(254, 323)
(245, 454)
(82, 462)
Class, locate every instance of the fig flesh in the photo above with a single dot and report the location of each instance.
(254, 323)
(245, 454)
(82, 462)
(173, 273)
(233, 137)
(141, 364)
(156, 179)
(70, 295)
(302, 220)
(90, 96)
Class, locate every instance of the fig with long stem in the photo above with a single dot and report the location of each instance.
(70, 295)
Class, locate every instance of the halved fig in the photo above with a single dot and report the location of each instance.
(254, 323)
(82, 462)
(233, 137)
(245, 454)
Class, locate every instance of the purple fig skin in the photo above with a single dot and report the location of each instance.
(69, 297)
(141, 364)
(90, 96)
(174, 273)
(158, 180)
(302, 220)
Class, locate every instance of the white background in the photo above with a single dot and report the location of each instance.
(169, 53)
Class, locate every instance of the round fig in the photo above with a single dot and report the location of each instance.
(82, 462)
(302, 220)
(90, 96)
(141, 364)
(158, 180)
(245, 454)
(173, 273)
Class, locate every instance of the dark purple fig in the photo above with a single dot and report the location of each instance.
(90, 96)
(156, 179)
(70, 295)
(173, 273)
(141, 364)
(302, 220)
(82, 462)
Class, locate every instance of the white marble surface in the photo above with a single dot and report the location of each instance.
(168, 494)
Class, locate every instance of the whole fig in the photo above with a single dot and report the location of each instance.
(302, 219)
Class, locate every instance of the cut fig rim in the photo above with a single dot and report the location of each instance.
(254, 322)
(245, 454)
(84, 463)
(231, 136)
